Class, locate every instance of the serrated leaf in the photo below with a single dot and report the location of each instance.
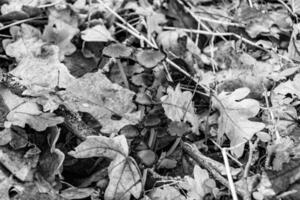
(234, 118)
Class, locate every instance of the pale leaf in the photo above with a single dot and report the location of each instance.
(178, 106)
(101, 146)
(234, 118)
(98, 33)
(124, 179)
(96, 94)
(124, 175)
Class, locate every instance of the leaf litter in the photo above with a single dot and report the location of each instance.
(194, 99)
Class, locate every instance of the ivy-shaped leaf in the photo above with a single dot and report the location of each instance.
(124, 175)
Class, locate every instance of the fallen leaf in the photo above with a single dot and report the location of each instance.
(235, 112)
(179, 107)
(117, 50)
(98, 33)
(61, 28)
(14, 161)
(97, 95)
(5, 136)
(289, 87)
(125, 178)
(29, 113)
(76, 193)
(149, 58)
(197, 187)
(166, 192)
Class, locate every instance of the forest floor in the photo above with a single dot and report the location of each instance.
(149, 99)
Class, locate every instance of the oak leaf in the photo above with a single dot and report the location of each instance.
(235, 112)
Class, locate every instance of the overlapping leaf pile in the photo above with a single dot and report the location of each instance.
(144, 99)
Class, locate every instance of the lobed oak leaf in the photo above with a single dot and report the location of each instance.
(124, 175)
(235, 112)
(179, 107)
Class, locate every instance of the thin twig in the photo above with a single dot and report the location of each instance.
(194, 153)
(228, 154)
(217, 34)
(20, 22)
(250, 157)
(197, 18)
(229, 177)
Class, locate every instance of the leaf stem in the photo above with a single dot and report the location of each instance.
(124, 77)
(174, 146)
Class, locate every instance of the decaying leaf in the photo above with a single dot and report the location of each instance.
(166, 192)
(96, 94)
(5, 185)
(179, 107)
(148, 58)
(235, 112)
(61, 28)
(125, 178)
(24, 112)
(14, 161)
(200, 185)
(77, 193)
(38, 62)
